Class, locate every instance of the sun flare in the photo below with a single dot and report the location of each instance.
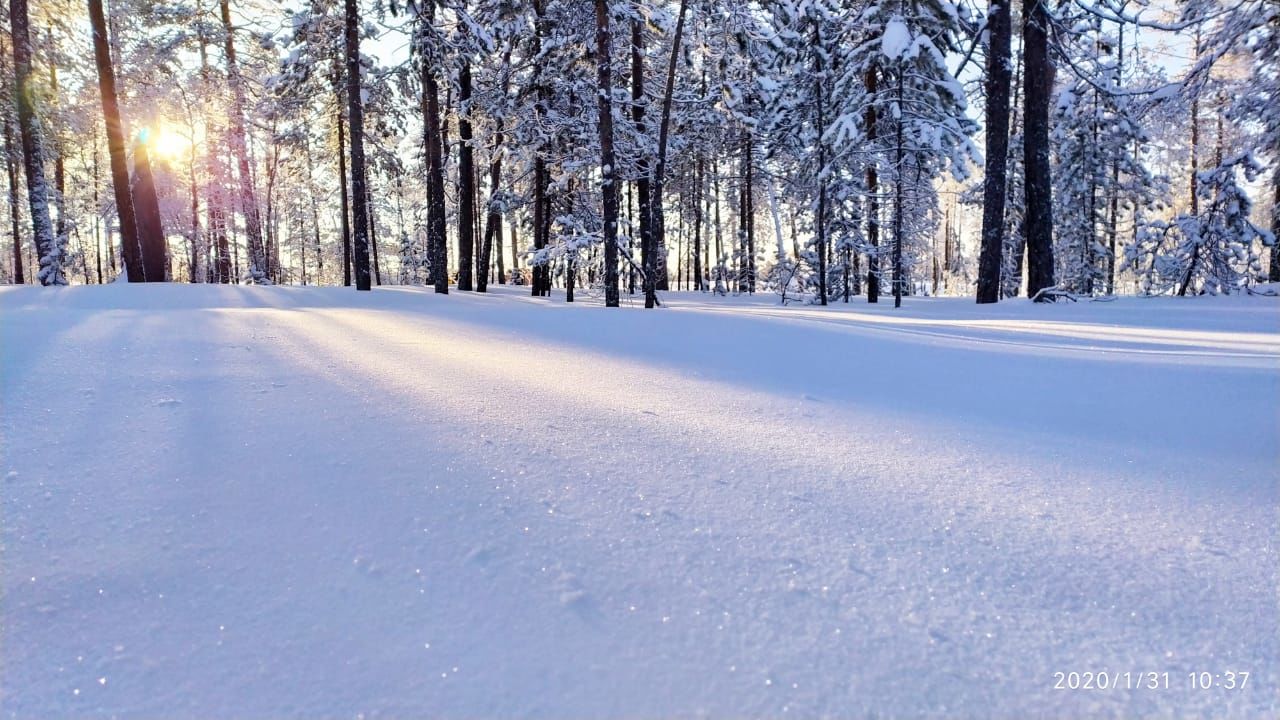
(168, 143)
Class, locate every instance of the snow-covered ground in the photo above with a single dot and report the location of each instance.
(279, 502)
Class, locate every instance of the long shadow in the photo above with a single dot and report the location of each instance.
(1118, 406)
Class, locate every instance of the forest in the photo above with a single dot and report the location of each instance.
(822, 150)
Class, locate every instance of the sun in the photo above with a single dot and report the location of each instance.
(167, 142)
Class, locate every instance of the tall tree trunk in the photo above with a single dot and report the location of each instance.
(344, 195)
(97, 205)
(435, 162)
(873, 190)
(198, 254)
(59, 168)
(1274, 274)
(33, 151)
(898, 182)
(466, 181)
(746, 242)
(700, 174)
(1015, 241)
(994, 184)
(1038, 91)
(493, 212)
(11, 166)
(658, 222)
(820, 220)
(373, 232)
(1113, 214)
(608, 164)
(130, 246)
(355, 116)
(715, 193)
(1194, 195)
(541, 286)
(515, 253)
(648, 251)
(239, 147)
(492, 222)
(315, 215)
(155, 263)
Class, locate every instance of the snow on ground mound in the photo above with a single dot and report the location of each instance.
(266, 502)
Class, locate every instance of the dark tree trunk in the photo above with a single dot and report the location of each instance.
(355, 116)
(493, 221)
(435, 166)
(608, 164)
(1194, 195)
(873, 190)
(999, 72)
(11, 166)
(898, 180)
(515, 252)
(466, 181)
(1274, 274)
(373, 232)
(239, 148)
(344, 195)
(541, 286)
(820, 220)
(699, 179)
(648, 252)
(1113, 214)
(129, 246)
(147, 209)
(749, 211)
(199, 269)
(1038, 92)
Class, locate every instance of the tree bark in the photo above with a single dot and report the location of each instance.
(648, 252)
(466, 181)
(129, 244)
(493, 213)
(873, 189)
(1274, 274)
(155, 264)
(1194, 195)
(700, 173)
(608, 164)
(999, 73)
(33, 150)
(435, 163)
(355, 117)
(820, 220)
(1038, 93)
(898, 209)
(344, 195)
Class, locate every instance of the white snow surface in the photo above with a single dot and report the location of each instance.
(286, 502)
